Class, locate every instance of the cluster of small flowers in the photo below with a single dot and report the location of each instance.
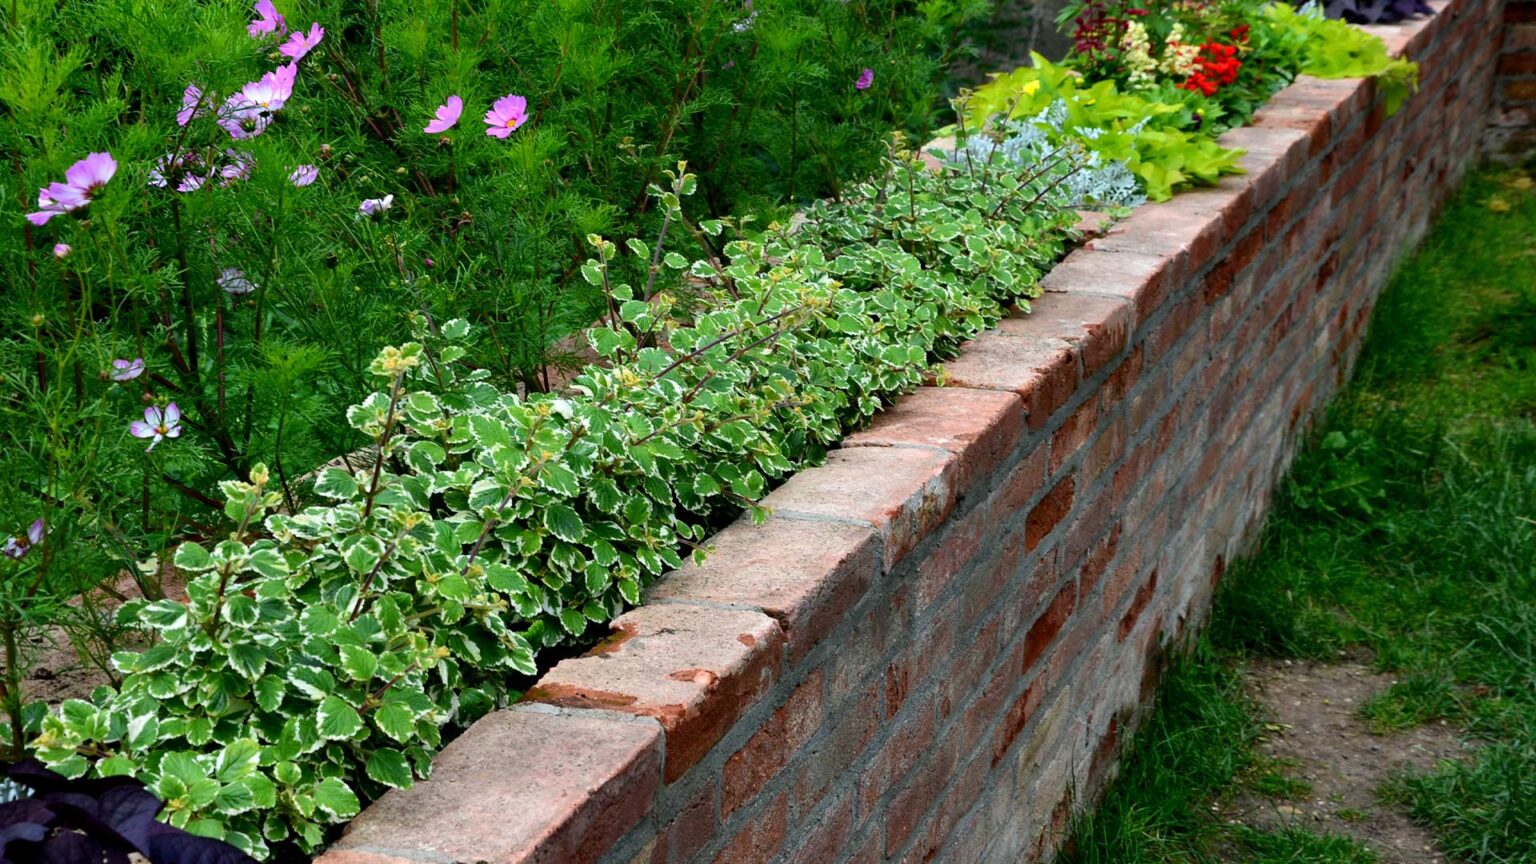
(1136, 48)
(1219, 65)
(1179, 57)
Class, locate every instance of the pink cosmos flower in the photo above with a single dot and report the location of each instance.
(127, 370)
(447, 115)
(866, 78)
(17, 547)
(268, 20)
(508, 113)
(157, 424)
(248, 113)
(304, 175)
(233, 281)
(299, 44)
(81, 183)
(238, 168)
(61, 249)
(192, 105)
(179, 168)
(373, 207)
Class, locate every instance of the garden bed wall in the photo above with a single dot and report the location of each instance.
(934, 647)
(1512, 124)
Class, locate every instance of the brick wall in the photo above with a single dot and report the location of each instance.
(1512, 123)
(934, 647)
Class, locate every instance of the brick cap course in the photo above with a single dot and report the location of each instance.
(583, 779)
(694, 669)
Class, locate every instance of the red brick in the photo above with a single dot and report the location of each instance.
(903, 492)
(1015, 719)
(1019, 486)
(1142, 280)
(761, 838)
(1187, 239)
(1097, 562)
(520, 785)
(1097, 325)
(1043, 371)
(905, 744)
(907, 806)
(826, 837)
(694, 669)
(766, 754)
(1074, 433)
(806, 575)
(690, 831)
(1138, 605)
(1043, 632)
(827, 757)
(342, 856)
(981, 427)
(1517, 64)
(1049, 512)
(959, 549)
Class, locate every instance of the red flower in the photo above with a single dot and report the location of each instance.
(1198, 83)
(1240, 33)
(1219, 65)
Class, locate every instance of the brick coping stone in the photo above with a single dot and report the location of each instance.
(570, 772)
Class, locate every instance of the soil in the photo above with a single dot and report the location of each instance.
(1316, 727)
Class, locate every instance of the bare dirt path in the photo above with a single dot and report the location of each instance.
(1314, 725)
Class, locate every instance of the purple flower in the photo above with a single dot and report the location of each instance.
(866, 78)
(18, 546)
(61, 249)
(81, 183)
(238, 168)
(304, 175)
(508, 113)
(232, 280)
(177, 167)
(192, 105)
(299, 44)
(447, 115)
(127, 370)
(373, 207)
(248, 113)
(157, 424)
(268, 20)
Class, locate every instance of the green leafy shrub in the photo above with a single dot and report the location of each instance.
(1153, 139)
(226, 253)
(321, 653)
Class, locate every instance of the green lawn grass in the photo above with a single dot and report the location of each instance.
(1408, 526)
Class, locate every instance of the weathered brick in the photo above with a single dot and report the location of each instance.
(760, 838)
(904, 493)
(827, 756)
(981, 427)
(1045, 629)
(1044, 372)
(806, 575)
(1049, 512)
(1142, 280)
(694, 669)
(688, 833)
(1099, 326)
(762, 757)
(519, 786)
(827, 836)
